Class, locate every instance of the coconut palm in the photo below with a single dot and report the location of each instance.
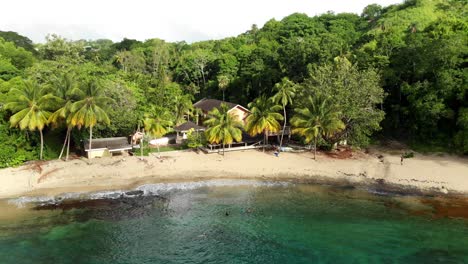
(263, 118)
(90, 109)
(182, 106)
(285, 91)
(318, 118)
(157, 124)
(31, 105)
(223, 83)
(65, 88)
(223, 127)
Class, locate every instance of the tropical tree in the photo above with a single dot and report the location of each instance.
(157, 124)
(65, 88)
(182, 106)
(318, 118)
(263, 117)
(90, 109)
(31, 105)
(223, 83)
(223, 127)
(285, 91)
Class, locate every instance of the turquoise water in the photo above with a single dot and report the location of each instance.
(237, 224)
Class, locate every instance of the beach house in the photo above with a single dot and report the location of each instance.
(207, 105)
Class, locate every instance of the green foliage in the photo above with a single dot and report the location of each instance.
(16, 147)
(18, 56)
(263, 116)
(223, 127)
(357, 94)
(18, 40)
(400, 68)
(318, 118)
(195, 139)
(157, 122)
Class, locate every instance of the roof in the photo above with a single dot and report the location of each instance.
(115, 143)
(209, 104)
(187, 126)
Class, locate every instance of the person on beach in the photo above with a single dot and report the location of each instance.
(276, 151)
(401, 160)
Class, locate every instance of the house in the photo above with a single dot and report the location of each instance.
(105, 147)
(207, 105)
(183, 129)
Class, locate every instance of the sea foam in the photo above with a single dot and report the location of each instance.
(145, 190)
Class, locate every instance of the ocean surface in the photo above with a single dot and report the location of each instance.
(233, 222)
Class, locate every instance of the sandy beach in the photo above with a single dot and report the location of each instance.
(440, 174)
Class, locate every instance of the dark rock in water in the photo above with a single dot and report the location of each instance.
(124, 207)
(134, 193)
(346, 187)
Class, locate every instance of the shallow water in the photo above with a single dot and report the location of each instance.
(227, 223)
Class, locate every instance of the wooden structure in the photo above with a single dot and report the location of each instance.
(183, 129)
(287, 132)
(105, 147)
(235, 146)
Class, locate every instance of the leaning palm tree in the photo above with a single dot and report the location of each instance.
(90, 109)
(65, 88)
(263, 118)
(285, 91)
(319, 118)
(157, 124)
(223, 127)
(31, 104)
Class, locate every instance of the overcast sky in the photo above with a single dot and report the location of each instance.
(171, 20)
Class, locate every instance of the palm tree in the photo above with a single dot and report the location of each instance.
(31, 104)
(223, 127)
(263, 117)
(65, 88)
(157, 124)
(90, 109)
(223, 82)
(285, 91)
(318, 118)
(182, 106)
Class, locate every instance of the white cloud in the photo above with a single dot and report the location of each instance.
(175, 20)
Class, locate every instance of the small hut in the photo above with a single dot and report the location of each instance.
(184, 128)
(105, 147)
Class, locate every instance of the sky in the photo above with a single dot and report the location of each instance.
(171, 20)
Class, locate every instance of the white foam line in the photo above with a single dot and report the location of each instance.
(148, 189)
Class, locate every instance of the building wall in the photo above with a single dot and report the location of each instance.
(239, 113)
(99, 153)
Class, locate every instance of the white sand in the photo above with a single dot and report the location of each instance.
(82, 175)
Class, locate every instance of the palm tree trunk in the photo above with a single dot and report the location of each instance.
(315, 147)
(284, 127)
(264, 141)
(42, 144)
(68, 143)
(223, 148)
(90, 140)
(64, 144)
(141, 147)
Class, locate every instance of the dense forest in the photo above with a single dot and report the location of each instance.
(396, 72)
